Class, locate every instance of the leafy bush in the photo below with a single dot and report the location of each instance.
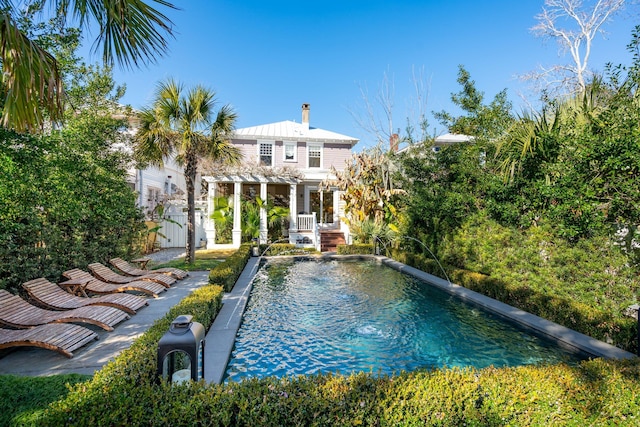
(64, 202)
(283, 249)
(596, 392)
(226, 273)
(355, 249)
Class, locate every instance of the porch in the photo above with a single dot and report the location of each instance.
(316, 211)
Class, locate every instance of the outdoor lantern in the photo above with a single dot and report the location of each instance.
(181, 351)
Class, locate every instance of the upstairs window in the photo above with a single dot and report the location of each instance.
(265, 153)
(315, 155)
(289, 151)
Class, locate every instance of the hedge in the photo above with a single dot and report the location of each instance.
(356, 249)
(226, 273)
(283, 249)
(596, 392)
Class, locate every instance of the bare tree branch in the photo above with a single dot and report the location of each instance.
(576, 38)
(376, 115)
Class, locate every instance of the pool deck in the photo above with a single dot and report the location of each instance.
(222, 333)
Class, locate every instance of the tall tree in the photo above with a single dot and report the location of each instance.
(485, 122)
(583, 24)
(181, 124)
(130, 32)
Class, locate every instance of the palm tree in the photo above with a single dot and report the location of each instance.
(129, 31)
(179, 124)
(534, 137)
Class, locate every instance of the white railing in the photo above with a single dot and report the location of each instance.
(307, 222)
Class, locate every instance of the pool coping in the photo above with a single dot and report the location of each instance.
(220, 338)
(561, 334)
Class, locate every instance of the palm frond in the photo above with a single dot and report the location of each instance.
(31, 80)
(154, 140)
(131, 32)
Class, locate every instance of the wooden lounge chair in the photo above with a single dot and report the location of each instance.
(106, 274)
(100, 287)
(18, 313)
(61, 337)
(130, 270)
(52, 296)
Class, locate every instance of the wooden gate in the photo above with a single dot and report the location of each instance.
(175, 231)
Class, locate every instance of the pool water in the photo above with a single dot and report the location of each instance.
(307, 317)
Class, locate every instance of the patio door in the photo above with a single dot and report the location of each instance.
(321, 202)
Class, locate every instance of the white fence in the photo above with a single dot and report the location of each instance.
(175, 231)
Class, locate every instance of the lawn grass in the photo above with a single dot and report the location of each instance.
(22, 399)
(206, 259)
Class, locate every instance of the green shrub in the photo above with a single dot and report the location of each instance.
(355, 249)
(283, 249)
(596, 392)
(65, 202)
(226, 273)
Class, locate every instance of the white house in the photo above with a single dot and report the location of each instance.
(285, 162)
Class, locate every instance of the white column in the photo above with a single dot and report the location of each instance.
(209, 225)
(293, 208)
(237, 211)
(264, 232)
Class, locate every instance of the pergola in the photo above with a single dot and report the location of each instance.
(238, 180)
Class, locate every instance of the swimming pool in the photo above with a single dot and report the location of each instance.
(306, 317)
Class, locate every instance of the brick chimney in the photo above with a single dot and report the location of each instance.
(394, 142)
(305, 115)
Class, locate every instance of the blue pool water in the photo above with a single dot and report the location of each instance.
(305, 317)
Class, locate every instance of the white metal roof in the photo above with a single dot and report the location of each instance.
(452, 138)
(292, 131)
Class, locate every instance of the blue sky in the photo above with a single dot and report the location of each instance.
(267, 58)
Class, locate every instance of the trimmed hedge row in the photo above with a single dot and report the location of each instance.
(226, 273)
(355, 249)
(604, 326)
(283, 249)
(597, 392)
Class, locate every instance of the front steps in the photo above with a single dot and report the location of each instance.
(329, 240)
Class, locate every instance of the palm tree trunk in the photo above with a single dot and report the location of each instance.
(190, 172)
